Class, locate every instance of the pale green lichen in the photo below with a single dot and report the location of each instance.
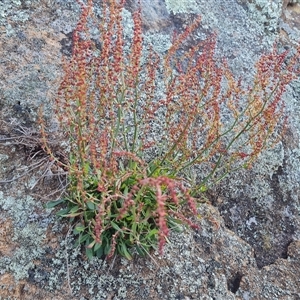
(29, 240)
(20, 209)
(29, 231)
(161, 43)
(266, 13)
(180, 6)
(11, 8)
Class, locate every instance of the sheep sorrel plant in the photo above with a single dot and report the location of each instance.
(138, 160)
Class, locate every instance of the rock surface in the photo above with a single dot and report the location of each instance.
(248, 243)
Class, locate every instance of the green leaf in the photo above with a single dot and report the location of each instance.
(83, 238)
(134, 227)
(125, 192)
(89, 253)
(123, 251)
(52, 204)
(174, 221)
(86, 168)
(88, 215)
(72, 215)
(62, 212)
(107, 249)
(131, 238)
(74, 209)
(115, 226)
(129, 218)
(105, 245)
(203, 188)
(91, 205)
(153, 232)
(147, 214)
(79, 228)
(97, 246)
(175, 226)
(91, 245)
(140, 250)
(100, 252)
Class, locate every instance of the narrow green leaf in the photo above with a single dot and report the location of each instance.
(83, 238)
(125, 252)
(174, 221)
(134, 227)
(146, 215)
(107, 249)
(175, 226)
(153, 232)
(125, 190)
(62, 212)
(86, 168)
(140, 250)
(79, 228)
(115, 226)
(72, 215)
(131, 238)
(52, 204)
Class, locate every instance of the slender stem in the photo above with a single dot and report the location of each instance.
(135, 118)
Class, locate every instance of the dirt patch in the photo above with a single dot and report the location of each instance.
(6, 237)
